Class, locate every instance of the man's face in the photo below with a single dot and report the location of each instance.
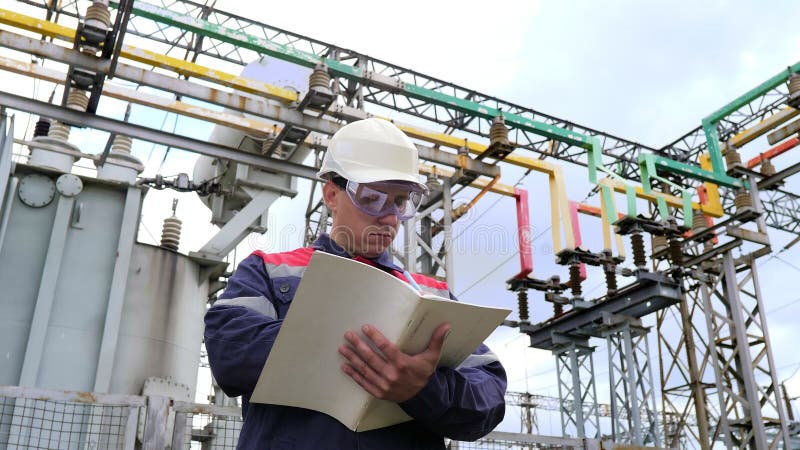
(359, 233)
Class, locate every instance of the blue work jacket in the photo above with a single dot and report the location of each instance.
(464, 403)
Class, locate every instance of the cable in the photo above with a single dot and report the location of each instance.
(153, 146)
(490, 207)
(487, 274)
(501, 264)
(141, 220)
(166, 153)
(786, 262)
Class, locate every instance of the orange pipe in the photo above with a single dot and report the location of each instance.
(773, 152)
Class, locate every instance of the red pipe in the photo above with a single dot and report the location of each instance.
(524, 233)
(773, 152)
(576, 231)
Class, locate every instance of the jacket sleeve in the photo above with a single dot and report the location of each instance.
(464, 403)
(241, 328)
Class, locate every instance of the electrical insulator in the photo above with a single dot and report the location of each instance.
(698, 221)
(42, 127)
(675, 252)
(659, 244)
(498, 133)
(794, 83)
(171, 231)
(320, 79)
(767, 168)
(637, 245)
(522, 303)
(742, 199)
(575, 279)
(732, 158)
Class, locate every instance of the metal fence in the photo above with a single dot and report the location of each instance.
(48, 419)
(44, 419)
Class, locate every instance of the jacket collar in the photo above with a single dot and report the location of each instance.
(328, 245)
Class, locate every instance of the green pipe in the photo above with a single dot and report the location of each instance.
(752, 94)
(287, 53)
(710, 122)
(337, 68)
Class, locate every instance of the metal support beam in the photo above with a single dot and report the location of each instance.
(238, 227)
(576, 389)
(47, 292)
(150, 135)
(753, 413)
(633, 409)
(116, 295)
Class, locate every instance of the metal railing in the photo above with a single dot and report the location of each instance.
(32, 418)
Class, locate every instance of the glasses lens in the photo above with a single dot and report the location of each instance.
(379, 199)
(371, 200)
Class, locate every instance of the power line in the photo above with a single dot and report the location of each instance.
(501, 264)
(499, 198)
(786, 262)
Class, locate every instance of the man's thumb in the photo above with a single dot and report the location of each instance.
(438, 338)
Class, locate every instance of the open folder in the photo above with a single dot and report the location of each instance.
(338, 294)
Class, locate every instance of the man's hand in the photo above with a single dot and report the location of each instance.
(391, 374)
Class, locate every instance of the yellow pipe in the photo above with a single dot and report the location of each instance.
(479, 183)
(561, 219)
(607, 223)
(762, 127)
(38, 26)
(151, 58)
(712, 189)
(191, 69)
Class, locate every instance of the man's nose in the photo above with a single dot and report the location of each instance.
(389, 219)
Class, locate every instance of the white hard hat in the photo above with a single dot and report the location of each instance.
(372, 150)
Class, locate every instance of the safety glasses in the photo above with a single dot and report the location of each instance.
(385, 197)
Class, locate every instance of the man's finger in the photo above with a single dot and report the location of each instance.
(360, 380)
(389, 350)
(437, 339)
(357, 363)
(374, 359)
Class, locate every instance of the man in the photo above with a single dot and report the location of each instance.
(371, 169)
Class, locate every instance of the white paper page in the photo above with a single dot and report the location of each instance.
(470, 325)
(336, 294)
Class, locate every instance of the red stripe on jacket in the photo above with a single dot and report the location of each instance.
(296, 258)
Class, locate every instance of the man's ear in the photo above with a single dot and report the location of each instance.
(330, 194)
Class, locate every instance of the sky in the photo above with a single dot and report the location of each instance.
(644, 71)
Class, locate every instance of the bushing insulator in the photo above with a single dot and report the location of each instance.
(658, 244)
(742, 199)
(498, 133)
(171, 233)
(42, 127)
(59, 131)
(767, 168)
(77, 100)
(637, 245)
(611, 281)
(522, 304)
(794, 83)
(122, 144)
(675, 252)
(320, 79)
(732, 157)
(98, 15)
(699, 221)
(575, 279)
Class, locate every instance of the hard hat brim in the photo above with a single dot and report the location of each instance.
(373, 175)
